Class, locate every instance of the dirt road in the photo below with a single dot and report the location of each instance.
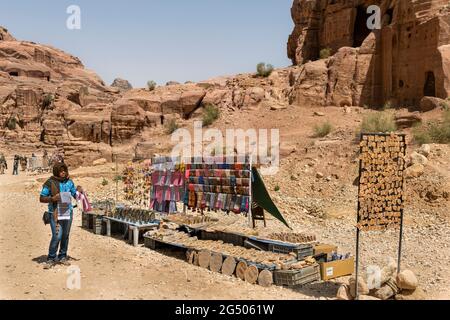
(110, 268)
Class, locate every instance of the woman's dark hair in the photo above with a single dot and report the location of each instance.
(58, 168)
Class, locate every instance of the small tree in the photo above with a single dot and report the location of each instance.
(264, 70)
(12, 122)
(48, 100)
(104, 182)
(151, 85)
(325, 53)
(210, 114)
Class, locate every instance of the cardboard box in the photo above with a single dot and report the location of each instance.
(324, 248)
(336, 269)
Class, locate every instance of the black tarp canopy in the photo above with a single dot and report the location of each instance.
(262, 198)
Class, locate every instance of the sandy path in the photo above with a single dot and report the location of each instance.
(110, 268)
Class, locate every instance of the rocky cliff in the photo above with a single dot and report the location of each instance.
(408, 58)
(48, 99)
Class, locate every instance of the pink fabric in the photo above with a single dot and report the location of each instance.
(82, 197)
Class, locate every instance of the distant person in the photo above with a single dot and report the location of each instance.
(61, 213)
(33, 162)
(3, 164)
(45, 163)
(23, 163)
(16, 165)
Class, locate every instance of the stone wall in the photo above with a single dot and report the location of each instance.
(403, 60)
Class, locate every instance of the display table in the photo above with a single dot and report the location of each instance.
(133, 228)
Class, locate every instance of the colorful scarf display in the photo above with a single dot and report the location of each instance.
(168, 184)
(217, 186)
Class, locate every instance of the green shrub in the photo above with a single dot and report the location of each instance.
(322, 130)
(277, 188)
(379, 122)
(445, 105)
(48, 100)
(264, 70)
(171, 126)
(325, 53)
(210, 114)
(118, 178)
(12, 122)
(434, 132)
(104, 182)
(151, 85)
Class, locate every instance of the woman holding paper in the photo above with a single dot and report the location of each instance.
(58, 192)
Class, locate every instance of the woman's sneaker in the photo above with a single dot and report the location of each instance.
(49, 264)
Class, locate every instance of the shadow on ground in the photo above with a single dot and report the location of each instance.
(318, 289)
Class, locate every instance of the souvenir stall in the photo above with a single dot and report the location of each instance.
(213, 185)
(136, 214)
(168, 185)
(154, 191)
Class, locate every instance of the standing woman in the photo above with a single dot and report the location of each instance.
(61, 213)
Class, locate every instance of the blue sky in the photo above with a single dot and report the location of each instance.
(159, 40)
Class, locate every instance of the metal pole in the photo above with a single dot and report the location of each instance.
(357, 227)
(401, 213)
(250, 193)
(357, 264)
(400, 243)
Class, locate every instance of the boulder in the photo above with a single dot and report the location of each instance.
(278, 107)
(253, 96)
(417, 158)
(121, 84)
(363, 289)
(408, 121)
(424, 150)
(191, 99)
(310, 87)
(431, 103)
(414, 171)
(218, 97)
(407, 280)
(344, 293)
